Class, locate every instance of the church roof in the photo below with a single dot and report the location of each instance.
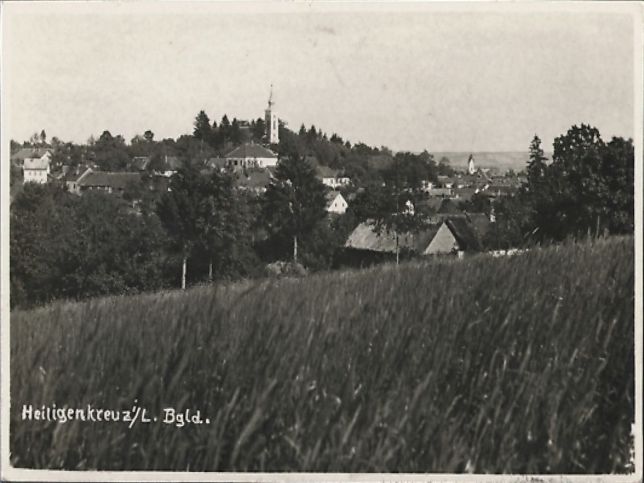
(251, 150)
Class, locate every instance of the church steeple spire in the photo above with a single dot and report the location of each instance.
(272, 123)
(270, 98)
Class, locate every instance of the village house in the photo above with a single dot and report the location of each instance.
(336, 203)
(251, 155)
(331, 177)
(439, 192)
(109, 182)
(36, 170)
(444, 235)
(18, 158)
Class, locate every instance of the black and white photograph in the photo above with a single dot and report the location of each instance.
(291, 241)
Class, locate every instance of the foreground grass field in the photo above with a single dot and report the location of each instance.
(522, 364)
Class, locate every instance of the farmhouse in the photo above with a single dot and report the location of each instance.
(251, 155)
(36, 170)
(109, 182)
(446, 234)
(336, 203)
(455, 235)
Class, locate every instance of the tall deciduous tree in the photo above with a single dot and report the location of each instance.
(179, 212)
(224, 223)
(587, 189)
(295, 202)
(110, 152)
(392, 205)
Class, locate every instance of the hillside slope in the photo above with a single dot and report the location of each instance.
(522, 364)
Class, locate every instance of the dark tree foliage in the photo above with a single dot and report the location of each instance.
(444, 168)
(202, 129)
(225, 227)
(179, 212)
(110, 152)
(587, 189)
(290, 145)
(479, 203)
(294, 203)
(208, 221)
(391, 205)
(63, 246)
(537, 163)
(235, 132)
(224, 131)
(259, 130)
(513, 224)
(412, 169)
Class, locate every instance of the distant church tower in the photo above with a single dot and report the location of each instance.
(272, 124)
(470, 165)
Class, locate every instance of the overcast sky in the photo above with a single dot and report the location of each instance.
(429, 76)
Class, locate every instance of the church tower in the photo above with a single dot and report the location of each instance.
(470, 165)
(272, 124)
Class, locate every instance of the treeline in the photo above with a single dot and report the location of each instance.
(202, 229)
(111, 152)
(587, 189)
(63, 246)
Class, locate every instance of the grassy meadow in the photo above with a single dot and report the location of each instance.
(521, 364)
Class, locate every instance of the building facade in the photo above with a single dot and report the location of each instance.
(36, 170)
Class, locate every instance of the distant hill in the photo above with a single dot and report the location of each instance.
(503, 161)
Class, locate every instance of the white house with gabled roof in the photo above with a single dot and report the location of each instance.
(36, 170)
(336, 203)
